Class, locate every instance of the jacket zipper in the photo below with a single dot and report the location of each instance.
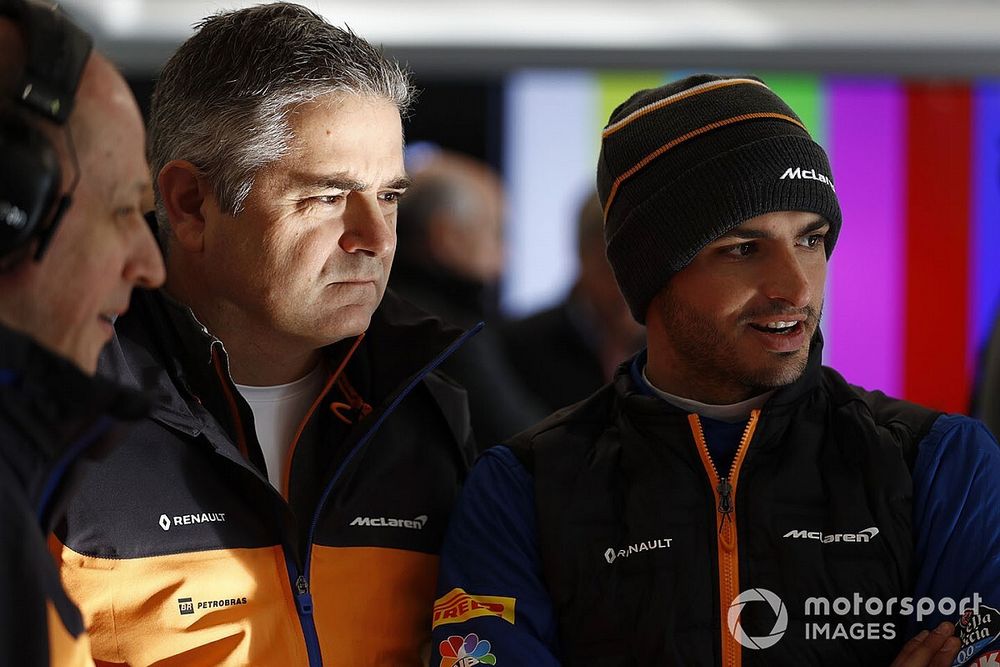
(304, 609)
(724, 491)
(299, 583)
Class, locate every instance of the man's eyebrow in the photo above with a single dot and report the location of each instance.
(141, 187)
(738, 233)
(399, 183)
(814, 226)
(344, 181)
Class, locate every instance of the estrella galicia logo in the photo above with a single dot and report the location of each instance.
(978, 632)
(780, 622)
(186, 605)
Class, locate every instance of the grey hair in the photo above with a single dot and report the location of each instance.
(223, 99)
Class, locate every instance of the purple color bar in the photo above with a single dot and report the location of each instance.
(866, 140)
(985, 239)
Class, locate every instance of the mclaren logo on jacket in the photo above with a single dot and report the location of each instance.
(382, 522)
(865, 535)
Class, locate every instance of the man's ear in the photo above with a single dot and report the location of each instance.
(184, 195)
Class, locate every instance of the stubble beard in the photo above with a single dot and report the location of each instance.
(712, 359)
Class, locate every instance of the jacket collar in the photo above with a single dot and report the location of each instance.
(633, 389)
(161, 345)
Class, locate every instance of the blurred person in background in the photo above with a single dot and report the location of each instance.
(285, 500)
(449, 262)
(73, 243)
(986, 397)
(566, 352)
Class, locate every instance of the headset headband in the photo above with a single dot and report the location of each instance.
(31, 205)
(57, 51)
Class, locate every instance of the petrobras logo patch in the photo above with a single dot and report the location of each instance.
(416, 523)
(757, 595)
(795, 173)
(467, 651)
(167, 522)
(865, 535)
(187, 606)
(457, 606)
(612, 554)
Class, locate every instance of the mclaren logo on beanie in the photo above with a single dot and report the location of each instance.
(808, 174)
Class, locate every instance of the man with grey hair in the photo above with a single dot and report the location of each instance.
(286, 500)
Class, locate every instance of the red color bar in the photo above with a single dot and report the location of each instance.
(938, 216)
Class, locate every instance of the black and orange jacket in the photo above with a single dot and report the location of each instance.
(52, 418)
(606, 537)
(180, 552)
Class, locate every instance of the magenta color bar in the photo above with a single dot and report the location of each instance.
(866, 142)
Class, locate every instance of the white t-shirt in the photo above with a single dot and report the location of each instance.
(736, 412)
(277, 413)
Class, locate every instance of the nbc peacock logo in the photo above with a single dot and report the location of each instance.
(466, 651)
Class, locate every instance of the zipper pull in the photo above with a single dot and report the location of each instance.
(303, 599)
(725, 498)
(725, 490)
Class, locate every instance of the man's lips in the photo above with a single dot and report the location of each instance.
(354, 281)
(778, 324)
(782, 334)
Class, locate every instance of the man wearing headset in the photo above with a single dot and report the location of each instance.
(73, 244)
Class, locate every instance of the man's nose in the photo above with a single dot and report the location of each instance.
(787, 279)
(366, 229)
(144, 266)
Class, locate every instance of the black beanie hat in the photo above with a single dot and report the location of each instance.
(685, 163)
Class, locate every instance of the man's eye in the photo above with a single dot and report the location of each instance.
(742, 250)
(814, 240)
(336, 198)
(391, 197)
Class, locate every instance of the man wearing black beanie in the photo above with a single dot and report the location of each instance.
(726, 500)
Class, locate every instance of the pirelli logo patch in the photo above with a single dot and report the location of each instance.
(457, 606)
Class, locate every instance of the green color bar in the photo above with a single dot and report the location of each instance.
(804, 93)
(614, 87)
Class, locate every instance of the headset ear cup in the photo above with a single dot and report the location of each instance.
(29, 185)
(47, 231)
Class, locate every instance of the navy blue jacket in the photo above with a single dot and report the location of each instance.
(605, 537)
